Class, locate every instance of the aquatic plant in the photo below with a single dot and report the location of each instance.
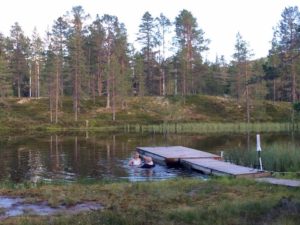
(279, 157)
(205, 128)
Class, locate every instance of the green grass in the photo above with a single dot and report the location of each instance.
(178, 201)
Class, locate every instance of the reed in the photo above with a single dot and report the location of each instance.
(213, 127)
(282, 157)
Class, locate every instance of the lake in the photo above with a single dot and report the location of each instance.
(69, 157)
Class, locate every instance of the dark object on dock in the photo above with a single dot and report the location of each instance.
(199, 160)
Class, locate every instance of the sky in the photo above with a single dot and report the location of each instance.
(221, 20)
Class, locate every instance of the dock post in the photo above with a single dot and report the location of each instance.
(258, 149)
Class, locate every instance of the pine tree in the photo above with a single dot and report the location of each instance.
(77, 57)
(115, 46)
(272, 71)
(123, 86)
(191, 43)
(5, 76)
(109, 23)
(36, 58)
(18, 49)
(242, 55)
(51, 69)
(164, 25)
(138, 74)
(55, 56)
(287, 42)
(59, 35)
(97, 57)
(147, 37)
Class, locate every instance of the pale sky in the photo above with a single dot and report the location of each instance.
(219, 19)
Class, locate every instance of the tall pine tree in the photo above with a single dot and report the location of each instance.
(5, 76)
(18, 48)
(77, 57)
(148, 39)
(190, 43)
(242, 55)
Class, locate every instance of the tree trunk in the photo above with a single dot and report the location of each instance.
(56, 93)
(247, 94)
(247, 104)
(19, 87)
(163, 65)
(274, 91)
(76, 91)
(108, 87)
(51, 107)
(38, 79)
(294, 97)
(30, 81)
(99, 77)
(76, 102)
(113, 98)
(163, 81)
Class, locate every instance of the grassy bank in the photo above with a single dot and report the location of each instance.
(192, 113)
(179, 201)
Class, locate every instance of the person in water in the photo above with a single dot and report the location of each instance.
(136, 160)
(148, 162)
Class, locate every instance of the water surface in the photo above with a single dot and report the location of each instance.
(70, 157)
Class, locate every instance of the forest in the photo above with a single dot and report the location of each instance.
(85, 61)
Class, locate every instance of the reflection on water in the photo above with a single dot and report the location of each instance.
(71, 157)
(159, 172)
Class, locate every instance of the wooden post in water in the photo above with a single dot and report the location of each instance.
(258, 149)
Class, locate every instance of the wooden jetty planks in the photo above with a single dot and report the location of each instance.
(175, 153)
(218, 167)
(199, 160)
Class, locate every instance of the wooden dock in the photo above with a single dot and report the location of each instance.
(221, 168)
(174, 154)
(199, 160)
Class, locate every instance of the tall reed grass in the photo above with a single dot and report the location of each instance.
(283, 157)
(213, 127)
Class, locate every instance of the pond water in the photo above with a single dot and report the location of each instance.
(69, 157)
(15, 206)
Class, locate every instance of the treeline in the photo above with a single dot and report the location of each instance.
(88, 60)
